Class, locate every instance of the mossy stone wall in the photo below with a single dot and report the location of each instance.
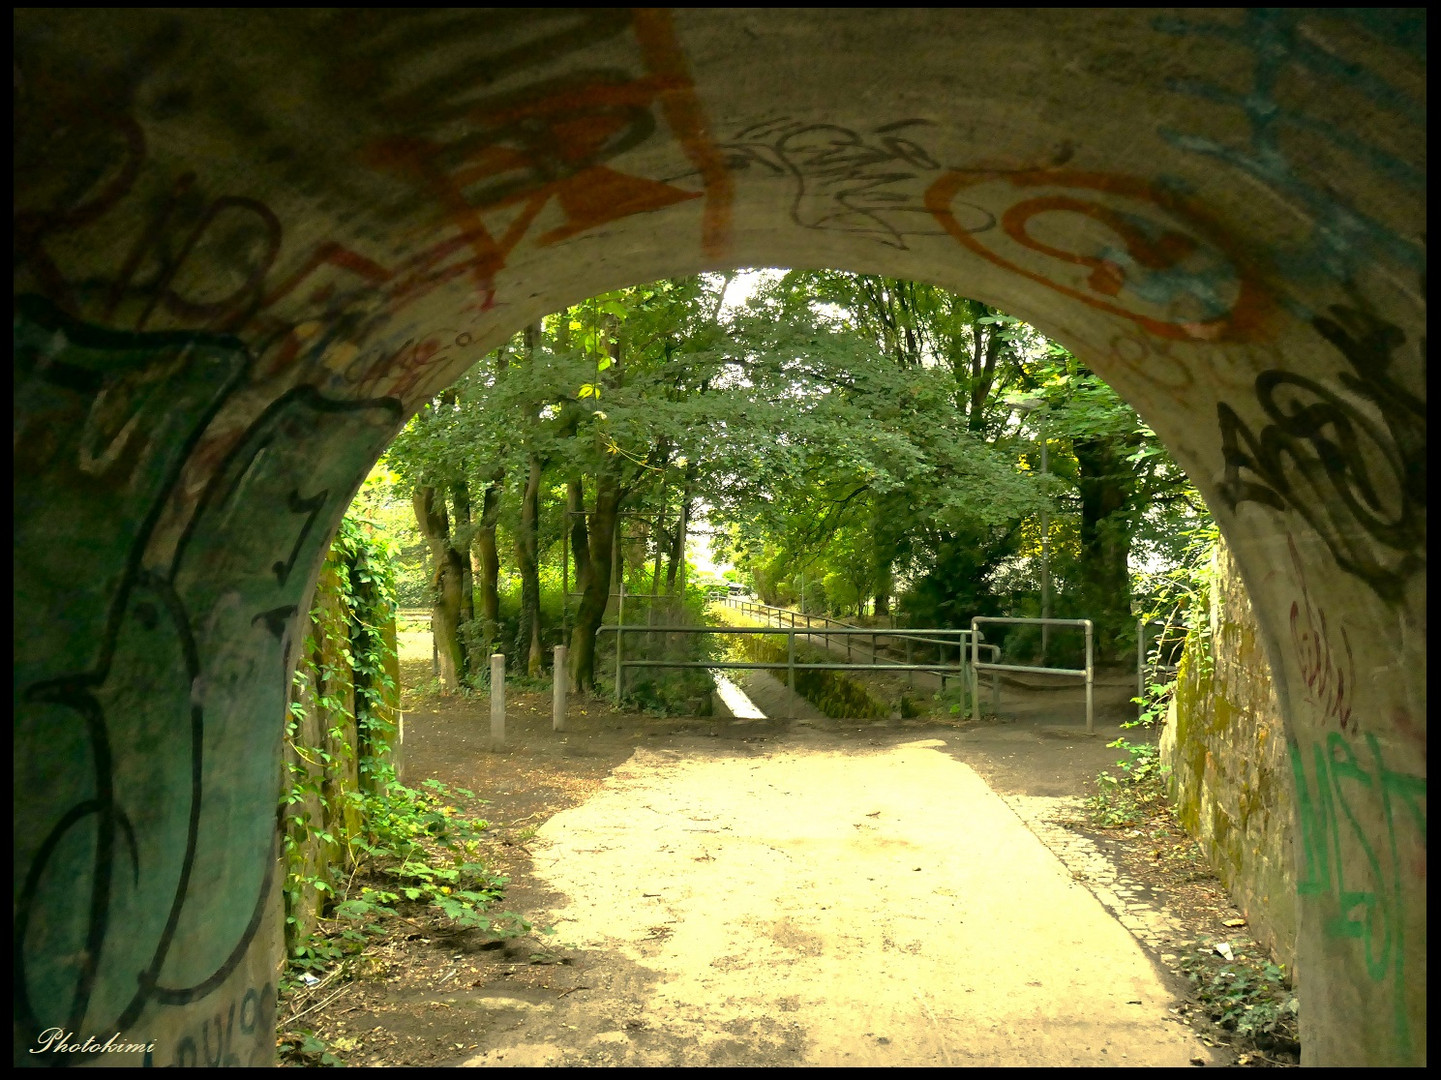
(1230, 776)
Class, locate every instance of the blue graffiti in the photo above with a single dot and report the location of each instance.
(1343, 239)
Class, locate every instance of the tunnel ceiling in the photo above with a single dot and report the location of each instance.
(249, 243)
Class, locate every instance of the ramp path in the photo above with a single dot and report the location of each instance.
(1058, 701)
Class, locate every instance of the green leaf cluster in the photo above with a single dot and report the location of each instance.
(361, 847)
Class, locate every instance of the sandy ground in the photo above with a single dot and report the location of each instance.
(799, 892)
(813, 904)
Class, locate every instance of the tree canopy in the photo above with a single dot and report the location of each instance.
(872, 444)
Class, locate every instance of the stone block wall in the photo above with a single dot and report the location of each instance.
(1230, 775)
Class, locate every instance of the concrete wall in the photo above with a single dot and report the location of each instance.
(248, 245)
(1225, 744)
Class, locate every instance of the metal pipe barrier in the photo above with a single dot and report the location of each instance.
(766, 611)
(791, 665)
(1159, 668)
(746, 607)
(1089, 671)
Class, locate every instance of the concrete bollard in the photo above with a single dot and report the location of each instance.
(497, 700)
(559, 677)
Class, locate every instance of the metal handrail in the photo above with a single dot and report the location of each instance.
(961, 634)
(791, 665)
(876, 631)
(1088, 672)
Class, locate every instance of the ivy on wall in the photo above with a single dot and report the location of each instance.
(360, 846)
(342, 724)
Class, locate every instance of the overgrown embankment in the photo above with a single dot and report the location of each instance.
(361, 848)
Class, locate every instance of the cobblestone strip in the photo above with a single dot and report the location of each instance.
(1088, 864)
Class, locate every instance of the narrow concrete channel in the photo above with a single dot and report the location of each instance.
(733, 700)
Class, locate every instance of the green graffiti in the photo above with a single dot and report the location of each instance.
(1365, 903)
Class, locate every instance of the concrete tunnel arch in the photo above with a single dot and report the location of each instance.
(249, 245)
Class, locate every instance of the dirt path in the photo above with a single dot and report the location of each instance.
(747, 892)
(818, 903)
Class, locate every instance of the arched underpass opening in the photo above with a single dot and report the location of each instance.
(248, 247)
(752, 405)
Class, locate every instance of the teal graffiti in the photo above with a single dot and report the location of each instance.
(1343, 238)
(1369, 904)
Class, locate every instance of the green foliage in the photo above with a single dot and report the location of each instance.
(1249, 996)
(303, 1047)
(671, 691)
(390, 848)
(1180, 600)
(854, 436)
(1125, 801)
(423, 851)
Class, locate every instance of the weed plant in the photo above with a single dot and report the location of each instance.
(371, 850)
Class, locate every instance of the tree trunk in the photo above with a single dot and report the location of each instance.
(527, 638)
(461, 536)
(445, 587)
(597, 588)
(1106, 483)
(461, 539)
(579, 534)
(527, 540)
(678, 538)
(883, 591)
(489, 560)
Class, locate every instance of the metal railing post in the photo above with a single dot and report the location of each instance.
(910, 675)
(1140, 662)
(619, 637)
(1090, 679)
(975, 683)
(791, 661)
(497, 700)
(975, 672)
(559, 677)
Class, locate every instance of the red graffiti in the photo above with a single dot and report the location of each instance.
(533, 162)
(664, 57)
(1321, 664)
(1167, 271)
(527, 155)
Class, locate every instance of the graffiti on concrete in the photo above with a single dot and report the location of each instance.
(150, 699)
(496, 166)
(1353, 466)
(863, 183)
(1327, 679)
(1126, 246)
(1359, 873)
(237, 1034)
(1342, 239)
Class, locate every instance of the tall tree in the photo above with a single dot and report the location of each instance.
(527, 543)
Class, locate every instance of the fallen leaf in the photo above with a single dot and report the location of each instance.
(1234, 922)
